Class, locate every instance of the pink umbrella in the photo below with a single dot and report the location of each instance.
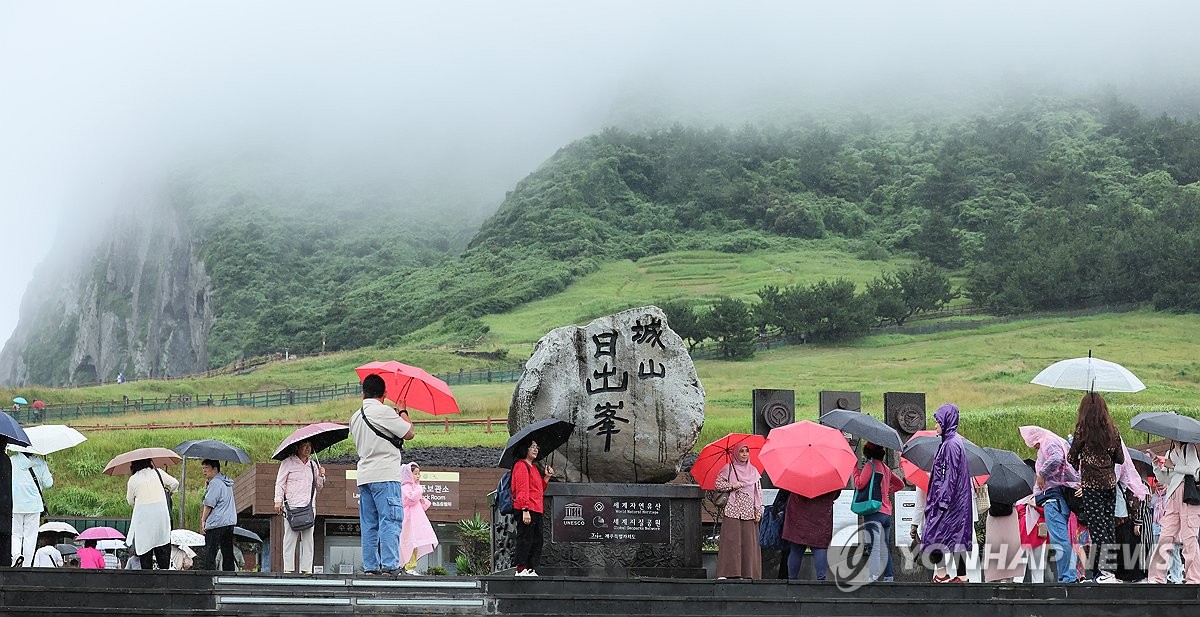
(100, 533)
(321, 435)
(160, 457)
(807, 458)
(412, 387)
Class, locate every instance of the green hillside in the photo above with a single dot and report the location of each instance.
(694, 275)
(1054, 204)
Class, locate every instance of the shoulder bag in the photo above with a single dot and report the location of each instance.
(392, 439)
(869, 499)
(304, 517)
(170, 502)
(721, 498)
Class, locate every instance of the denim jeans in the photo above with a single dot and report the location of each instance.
(796, 559)
(1057, 517)
(879, 544)
(380, 514)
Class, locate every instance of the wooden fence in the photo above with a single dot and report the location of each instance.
(61, 413)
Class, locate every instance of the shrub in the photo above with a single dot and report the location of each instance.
(475, 554)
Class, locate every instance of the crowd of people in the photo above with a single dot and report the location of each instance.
(396, 531)
(1092, 513)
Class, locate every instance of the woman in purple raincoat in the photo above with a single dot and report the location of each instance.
(948, 529)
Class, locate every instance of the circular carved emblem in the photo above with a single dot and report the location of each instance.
(776, 414)
(910, 418)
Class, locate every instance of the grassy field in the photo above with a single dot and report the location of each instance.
(699, 275)
(985, 370)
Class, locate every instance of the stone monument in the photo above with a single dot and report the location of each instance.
(628, 385)
(905, 412)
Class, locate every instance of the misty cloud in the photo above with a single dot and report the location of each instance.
(101, 101)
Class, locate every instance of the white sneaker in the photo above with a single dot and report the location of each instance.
(524, 573)
(1107, 577)
(412, 573)
(531, 572)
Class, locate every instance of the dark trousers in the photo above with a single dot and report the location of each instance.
(5, 509)
(219, 538)
(161, 554)
(528, 551)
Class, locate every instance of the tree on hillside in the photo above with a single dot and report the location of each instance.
(683, 319)
(731, 325)
(834, 311)
(900, 295)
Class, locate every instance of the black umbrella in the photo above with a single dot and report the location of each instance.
(67, 549)
(549, 435)
(921, 450)
(1011, 479)
(1141, 461)
(247, 534)
(212, 449)
(11, 432)
(863, 426)
(1168, 424)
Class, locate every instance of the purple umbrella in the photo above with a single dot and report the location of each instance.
(321, 435)
(100, 533)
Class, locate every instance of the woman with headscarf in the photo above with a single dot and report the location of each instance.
(948, 531)
(738, 555)
(416, 535)
(1180, 520)
(149, 534)
(1096, 449)
(1055, 478)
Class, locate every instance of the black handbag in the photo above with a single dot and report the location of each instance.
(170, 502)
(1191, 494)
(303, 517)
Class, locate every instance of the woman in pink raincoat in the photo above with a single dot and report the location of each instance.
(416, 536)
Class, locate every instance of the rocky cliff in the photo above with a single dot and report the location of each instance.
(135, 299)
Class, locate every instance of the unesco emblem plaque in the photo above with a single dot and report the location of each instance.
(612, 520)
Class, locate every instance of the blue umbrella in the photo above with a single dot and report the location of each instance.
(20, 400)
(12, 432)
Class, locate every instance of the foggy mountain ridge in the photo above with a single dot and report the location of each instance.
(245, 268)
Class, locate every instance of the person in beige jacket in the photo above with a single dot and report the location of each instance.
(1180, 520)
(379, 432)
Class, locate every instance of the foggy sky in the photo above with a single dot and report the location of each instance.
(100, 100)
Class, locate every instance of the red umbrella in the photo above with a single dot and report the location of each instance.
(38, 405)
(100, 533)
(808, 459)
(919, 477)
(719, 453)
(412, 387)
(321, 435)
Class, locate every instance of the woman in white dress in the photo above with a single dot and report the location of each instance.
(150, 527)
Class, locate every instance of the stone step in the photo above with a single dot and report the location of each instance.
(293, 596)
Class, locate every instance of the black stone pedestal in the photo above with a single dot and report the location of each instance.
(622, 530)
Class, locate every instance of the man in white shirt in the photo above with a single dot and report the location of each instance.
(379, 432)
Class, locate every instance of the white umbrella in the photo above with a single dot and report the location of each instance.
(49, 438)
(1090, 375)
(58, 527)
(115, 545)
(186, 537)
